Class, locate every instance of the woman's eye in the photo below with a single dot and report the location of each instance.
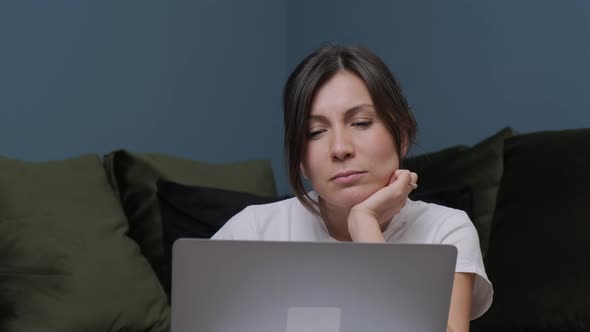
(315, 133)
(362, 124)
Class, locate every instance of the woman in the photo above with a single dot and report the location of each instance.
(347, 125)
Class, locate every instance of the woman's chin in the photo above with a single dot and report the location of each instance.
(349, 197)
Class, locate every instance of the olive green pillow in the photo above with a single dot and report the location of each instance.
(479, 167)
(135, 177)
(67, 262)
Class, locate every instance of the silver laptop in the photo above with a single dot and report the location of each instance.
(251, 286)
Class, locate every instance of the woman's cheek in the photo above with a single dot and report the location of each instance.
(388, 174)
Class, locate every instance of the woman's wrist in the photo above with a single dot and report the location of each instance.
(364, 227)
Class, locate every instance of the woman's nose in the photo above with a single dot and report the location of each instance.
(342, 147)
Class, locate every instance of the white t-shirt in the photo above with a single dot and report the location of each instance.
(417, 222)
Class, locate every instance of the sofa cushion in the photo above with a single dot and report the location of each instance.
(8, 297)
(135, 176)
(457, 197)
(539, 242)
(198, 212)
(478, 167)
(70, 265)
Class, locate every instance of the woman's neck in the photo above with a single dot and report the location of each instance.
(336, 220)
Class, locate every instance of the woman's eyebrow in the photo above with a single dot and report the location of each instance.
(351, 112)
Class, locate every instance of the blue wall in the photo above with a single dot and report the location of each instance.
(468, 68)
(202, 79)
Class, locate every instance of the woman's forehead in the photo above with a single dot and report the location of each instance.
(343, 92)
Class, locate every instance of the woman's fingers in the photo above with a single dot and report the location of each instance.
(405, 177)
(413, 180)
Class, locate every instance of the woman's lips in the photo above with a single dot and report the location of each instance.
(348, 177)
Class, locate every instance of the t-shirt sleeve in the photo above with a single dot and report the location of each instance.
(240, 227)
(458, 230)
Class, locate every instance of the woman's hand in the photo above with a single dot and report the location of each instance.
(367, 219)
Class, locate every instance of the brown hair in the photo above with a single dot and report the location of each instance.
(302, 85)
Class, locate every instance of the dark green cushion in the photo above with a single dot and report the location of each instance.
(479, 167)
(424, 163)
(135, 177)
(71, 266)
(540, 243)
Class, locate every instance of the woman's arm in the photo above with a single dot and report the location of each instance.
(460, 311)
(366, 219)
(364, 225)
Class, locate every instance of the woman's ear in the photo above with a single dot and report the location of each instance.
(404, 150)
(302, 170)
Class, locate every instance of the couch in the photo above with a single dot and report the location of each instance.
(528, 196)
(85, 242)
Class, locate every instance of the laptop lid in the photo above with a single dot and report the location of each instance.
(251, 286)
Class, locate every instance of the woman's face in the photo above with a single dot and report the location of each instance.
(350, 154)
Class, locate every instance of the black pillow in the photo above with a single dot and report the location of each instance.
(8, 294)
(457, 197)
(479, 167)
(540, 240)
(198, 212)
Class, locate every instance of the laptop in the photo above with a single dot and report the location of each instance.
(262, 286)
